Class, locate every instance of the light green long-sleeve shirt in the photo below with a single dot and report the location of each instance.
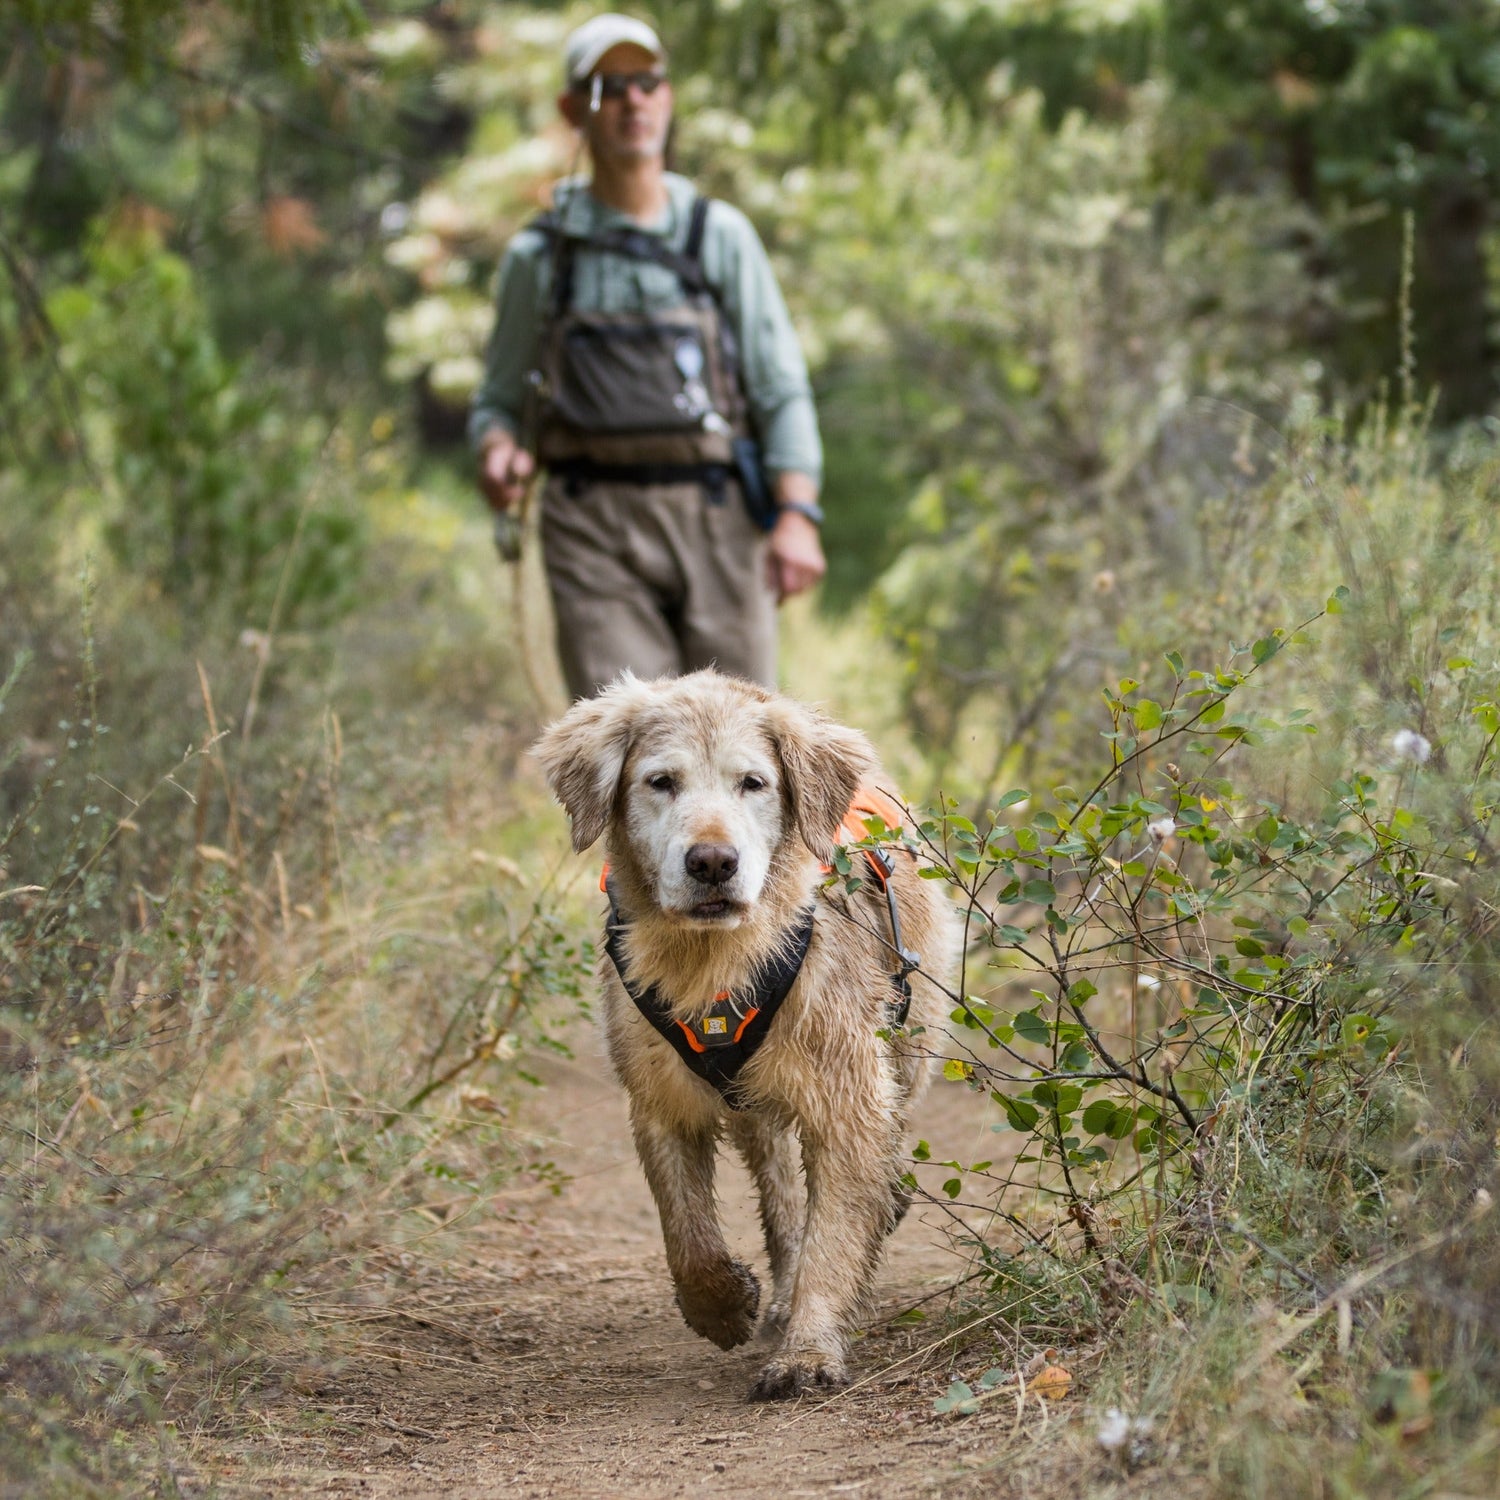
(735, 264)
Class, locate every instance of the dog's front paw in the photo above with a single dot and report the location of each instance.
(791, 1375)
(721, 1303)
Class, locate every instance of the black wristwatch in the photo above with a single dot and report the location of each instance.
(808, 508)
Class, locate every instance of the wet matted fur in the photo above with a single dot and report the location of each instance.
(663, 771)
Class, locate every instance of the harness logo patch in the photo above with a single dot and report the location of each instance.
(716, 1026)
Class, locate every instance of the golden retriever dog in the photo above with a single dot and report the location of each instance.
(719, 802)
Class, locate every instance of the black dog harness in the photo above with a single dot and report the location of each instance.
(718, 1043)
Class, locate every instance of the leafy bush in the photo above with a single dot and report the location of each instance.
(1235, 1009)
(212, 472)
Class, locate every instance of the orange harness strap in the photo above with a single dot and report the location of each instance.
(870, 802)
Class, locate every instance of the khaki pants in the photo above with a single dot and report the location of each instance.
(658, 579)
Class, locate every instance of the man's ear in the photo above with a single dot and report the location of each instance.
(572, 106)
(823, 764)
(583, 755)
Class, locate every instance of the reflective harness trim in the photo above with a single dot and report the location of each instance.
(722, 1039)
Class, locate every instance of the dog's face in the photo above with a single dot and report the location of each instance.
(703, 779)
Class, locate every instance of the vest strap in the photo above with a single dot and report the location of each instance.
(635, 244)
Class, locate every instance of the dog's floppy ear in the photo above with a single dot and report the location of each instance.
(823, 765)
(583, 755)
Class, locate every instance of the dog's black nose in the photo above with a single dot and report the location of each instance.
(712, 863)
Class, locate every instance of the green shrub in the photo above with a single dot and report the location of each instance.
(215, 481)
(231, 1066)
(1233, 993)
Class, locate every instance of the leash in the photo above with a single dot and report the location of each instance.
(510, 533)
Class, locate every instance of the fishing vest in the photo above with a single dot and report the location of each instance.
(657, 392)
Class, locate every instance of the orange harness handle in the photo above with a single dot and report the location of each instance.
(870, 802)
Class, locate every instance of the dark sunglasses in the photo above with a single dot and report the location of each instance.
(617, 85)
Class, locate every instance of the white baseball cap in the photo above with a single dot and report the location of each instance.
(585, 46)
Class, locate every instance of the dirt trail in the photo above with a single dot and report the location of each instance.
(553, 1362)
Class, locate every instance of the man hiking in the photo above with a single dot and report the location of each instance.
(643, 355)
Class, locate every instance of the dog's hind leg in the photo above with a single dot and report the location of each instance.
(771, 1154)
(718, 1295)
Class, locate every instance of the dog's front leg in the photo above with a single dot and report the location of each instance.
(849, 1213)
(770, 1152)
(718, 1295)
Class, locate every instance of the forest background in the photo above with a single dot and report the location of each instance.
(1156, 344)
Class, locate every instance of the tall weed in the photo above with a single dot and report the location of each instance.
(261, 1002)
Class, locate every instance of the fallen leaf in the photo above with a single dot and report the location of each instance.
(1053, 1383)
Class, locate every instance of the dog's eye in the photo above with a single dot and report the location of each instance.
(753, 783)
(661, 782)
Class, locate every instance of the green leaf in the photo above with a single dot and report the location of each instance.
(1011, 798)
(955, 1070)
(1069, 1097)
(1174, 660)
(1099, 1116)
(1147, 714)
(1265, 648)
(953, 1187)
(1030, 1027)
(959, 1400)
(921, 1152)
(1337, 600)
(1021, 1115)
(1076, 1057)
(1081, 990)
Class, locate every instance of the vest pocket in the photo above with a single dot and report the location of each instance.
(616, 378)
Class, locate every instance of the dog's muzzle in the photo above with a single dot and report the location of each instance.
(712, 869)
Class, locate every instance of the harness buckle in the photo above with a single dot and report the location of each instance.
(911, 961)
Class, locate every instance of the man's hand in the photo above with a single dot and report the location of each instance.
(505, 469)
(795, 558)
